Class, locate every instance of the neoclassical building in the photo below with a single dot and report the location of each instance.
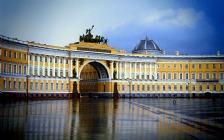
(40, 70)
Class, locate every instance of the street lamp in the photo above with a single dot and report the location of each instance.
(129, 81)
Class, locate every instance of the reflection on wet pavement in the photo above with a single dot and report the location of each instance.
(113, 119)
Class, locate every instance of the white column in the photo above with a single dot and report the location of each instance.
(64, 63)
(145, 71)
(112, 70)
(43, 61)
(59, 67)
(38, 65)
(130, 70)
(140, 71)
(155, 65)
(48, 71)
(125, 70)
(135, 70)
(53, 66)
(150, 73)
(28, 66)
(77, 67)
(120, 70)
(117, 69)
(70, 67)
(33, 64)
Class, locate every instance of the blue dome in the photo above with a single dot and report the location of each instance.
(147, 46)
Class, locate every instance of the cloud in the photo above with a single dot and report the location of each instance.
(173, 17)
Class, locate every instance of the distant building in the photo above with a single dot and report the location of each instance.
(40, 70)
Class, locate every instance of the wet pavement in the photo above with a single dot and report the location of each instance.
(98, 118)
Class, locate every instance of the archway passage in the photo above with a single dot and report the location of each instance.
(91, 77)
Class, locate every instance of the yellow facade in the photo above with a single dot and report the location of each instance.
(40, 70)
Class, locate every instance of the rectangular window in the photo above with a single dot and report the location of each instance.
(35, 58)
(193, 76)
(14, 85)
(214, 75)
(4, 84)
(4, 67)
(52, 86)
(41, 86)
(220, 66)
(50, 60)
(148, 87)
(24, 85)
(19, 85)
(9, 84)
(14, 70)
(24, 69)
(62, 86)
(169, 76)
(138, 87)
(20, 69)
(31, 85)
(158, 88)
(45, 59)
(41, 71)
(153, 87)
(186, 76)
(24, 56)
(199, 66)
(200, 87)
(169, 87)
(164, 88)
(207, 87)
(67, 87)
(133, 87)
(61, 60)
(221, 75)
(164, 75)
(207, 66)
(175, 87)
(143, 87)
(61, 72)
(214, 87)
(193, 87)
(31, 57)
(20, 56)
(10, 54)
(175, 66)
(181, 66)
(56, 86)
(158, 77)
(181, 76)
(15, 55)
(187, 88)
(5, 53)
(181, 87)
(36, 85)
(186, 66)
(66, 73)
(56, 60)
(200, 75)
(10, 68)
(193, 66)
(213, 66)
(221, 87)
(207, 75)
(46, 86)
(66, 61)
(40, 58)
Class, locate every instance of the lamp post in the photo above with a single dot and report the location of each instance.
(129, 81)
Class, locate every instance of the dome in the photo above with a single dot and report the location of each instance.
(147, 46)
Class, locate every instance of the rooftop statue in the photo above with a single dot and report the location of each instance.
(89, 37)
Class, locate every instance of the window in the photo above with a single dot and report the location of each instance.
(31, 57)
(46, 86)
(200, 75)
(56, 60)
(4, 67)
(9, 84)
(41, 71)
(207, 75)
(193, 87)
(148, 87)
(36, 85)
(214, 87)
(153, 87)
(5, 53)
(56, 72)
(66, 61)
(169, 87)
(158, 75)
(221, 76)
(164, 75)
(169, 66)
(207, 66)
(213, 66)
(31, 85)
(193, 66)
(35, 70)
(24, 56)
(175, 66)
(20, 56)
(14, 85)
(199, 66)
(221, 87)
(175, 87)
(158, 88)
(10, 68)
(35, 58)
(61, 72)
(24, 69)
(138, 87)
(193, 75)
(14, 70)
(181, 87)
(180, 66)
(52, 86)
(45, 71)
(24, 85)
(207, 87)
(186, 66)
(4, 84)
(51, 73)
(41, 86)
(187, 88)
(10, 54)
(62, 86)
(214, 75)
(61, 60)
(50, 59)
(200, 87)
(181, 76)
(56, 86)
(186, 76)
(169, 76)
(164, 88)
(20, 69)
(66, 73)
(220, 65)
(15, 55)
(19, 85)
(40, 58)
(45, 59)
(67, 86)
(143, 87)
(0, 66)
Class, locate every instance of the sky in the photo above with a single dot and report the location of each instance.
(192, 27)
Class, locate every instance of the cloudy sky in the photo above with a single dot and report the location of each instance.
(189, 26)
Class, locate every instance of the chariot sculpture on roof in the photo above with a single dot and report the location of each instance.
(89, 37)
